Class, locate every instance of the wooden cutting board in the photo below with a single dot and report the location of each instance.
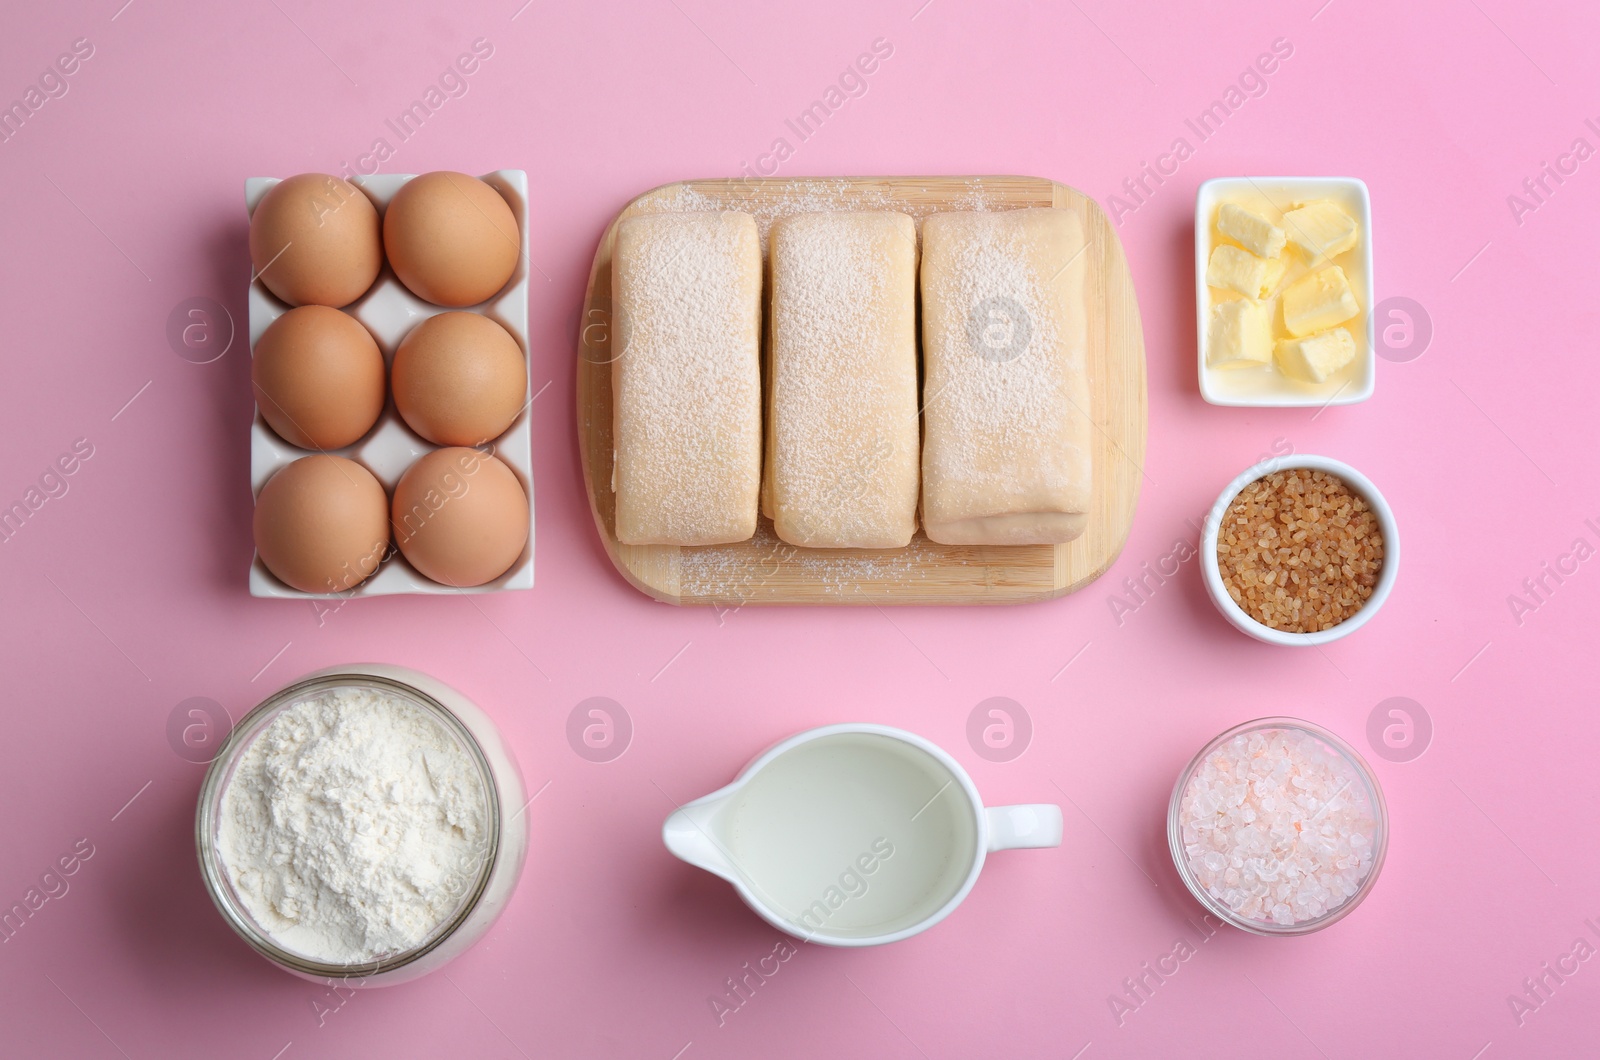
(765, 570)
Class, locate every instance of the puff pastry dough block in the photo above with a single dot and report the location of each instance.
(686, 380)
(842, 444)
(1006, 456)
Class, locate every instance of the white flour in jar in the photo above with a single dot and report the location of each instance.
(353, 826)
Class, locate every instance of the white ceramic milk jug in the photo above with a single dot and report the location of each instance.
(853, 835)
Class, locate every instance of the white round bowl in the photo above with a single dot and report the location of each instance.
(1357, 482)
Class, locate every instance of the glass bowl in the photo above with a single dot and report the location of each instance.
(485, 880)
(1369, 790)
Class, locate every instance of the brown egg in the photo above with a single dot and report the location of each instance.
(459, 379)
(321, 524)
(318, 378)
(316, 240)
(451, 238)
(460, 516)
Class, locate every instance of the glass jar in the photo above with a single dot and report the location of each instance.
(1367, 789)
(485, 884)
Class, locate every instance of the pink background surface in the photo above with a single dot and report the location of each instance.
(126, 595)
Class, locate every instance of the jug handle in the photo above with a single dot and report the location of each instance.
(1028, 826)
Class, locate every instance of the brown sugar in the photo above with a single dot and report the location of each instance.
(1299, 551)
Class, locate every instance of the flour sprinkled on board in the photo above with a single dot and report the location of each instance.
(743, 573)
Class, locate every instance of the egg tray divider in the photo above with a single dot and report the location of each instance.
(390, 311)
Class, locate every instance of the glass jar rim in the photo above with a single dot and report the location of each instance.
(1213, 905)
(214, 873)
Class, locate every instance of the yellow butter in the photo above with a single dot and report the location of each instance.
(1240, 335)
(1241, 271)
(1276, 267)
(1250, 230)
(1316, 357)
(1318, 301)
(1321, 230)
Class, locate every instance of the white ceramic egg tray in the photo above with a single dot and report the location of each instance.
(390, 311)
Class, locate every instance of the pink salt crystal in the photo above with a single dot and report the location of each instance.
(1302, 818)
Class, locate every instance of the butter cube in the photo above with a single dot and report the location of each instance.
(1321, 230)
(1240, 335)
(1239, 270)
(1276, 267)
(1318, 301)
(1316, 357)
(1250, 230)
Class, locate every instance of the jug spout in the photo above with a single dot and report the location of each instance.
(691, 834)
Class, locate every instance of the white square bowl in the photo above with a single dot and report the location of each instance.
(390, 311)
(1272, 196)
